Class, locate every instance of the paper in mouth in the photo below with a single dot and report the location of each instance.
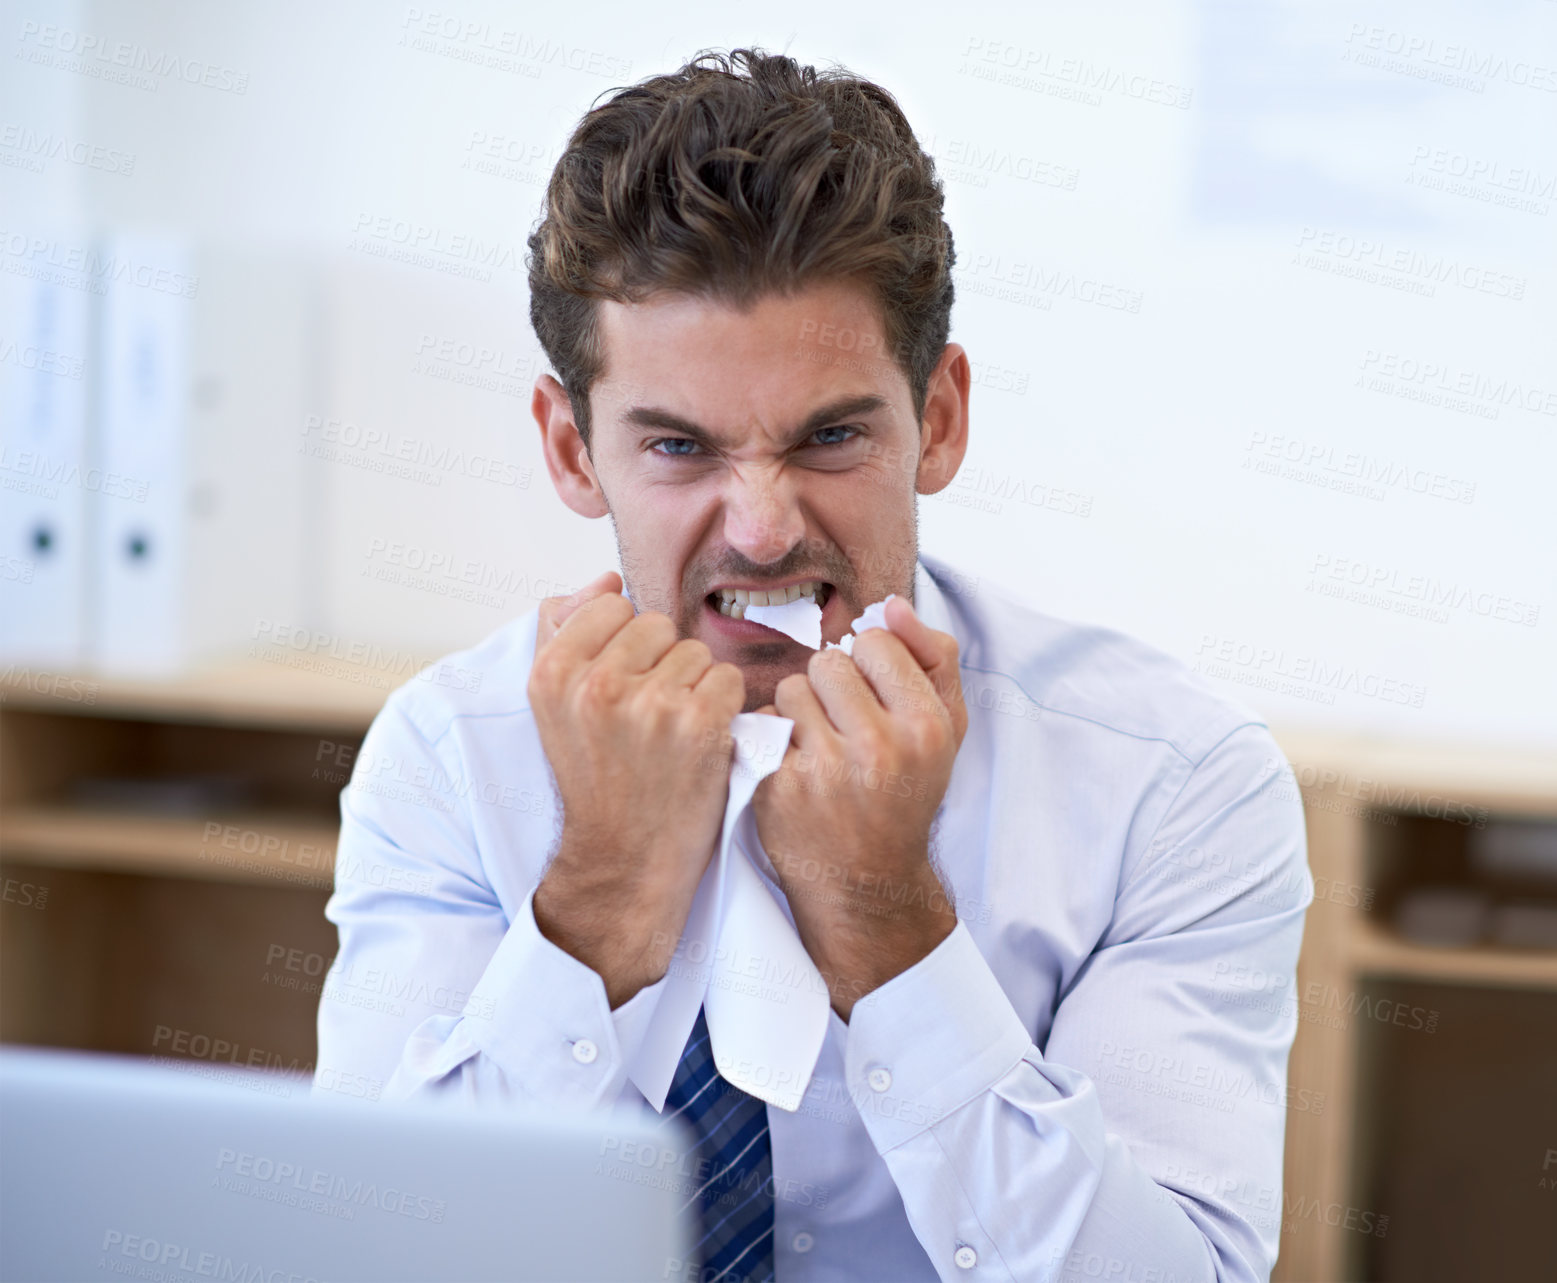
(801, 619)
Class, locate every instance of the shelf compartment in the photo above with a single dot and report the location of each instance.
(260, 848)
(1376, 951)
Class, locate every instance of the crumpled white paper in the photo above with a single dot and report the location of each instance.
(740, 957)
(802, 620)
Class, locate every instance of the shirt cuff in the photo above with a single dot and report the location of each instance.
(633, 1017)
(546, 1019)
(930, 1040)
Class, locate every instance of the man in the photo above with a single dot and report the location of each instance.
(1025, 856)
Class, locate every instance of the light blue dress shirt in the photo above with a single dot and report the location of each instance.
(1087, 1079)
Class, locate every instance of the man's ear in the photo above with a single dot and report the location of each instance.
(943, 433)
(572, 472)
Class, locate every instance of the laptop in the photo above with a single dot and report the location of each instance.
(116, 1167)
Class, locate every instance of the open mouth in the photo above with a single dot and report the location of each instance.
(732, 602)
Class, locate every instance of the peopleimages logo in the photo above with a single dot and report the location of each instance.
(35, 148)
(1220, 656)
(374, 449)
(1479, 170)
(1439, 377)
(311, 1180)
(1381, 794)
(1025, 67)
(504, 48)
(1400, 265)
(1366, 42)
(1334, 576)
(86, 267)
(122, 61)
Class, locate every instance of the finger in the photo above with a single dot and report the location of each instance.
(587, 630)
(722, 687)
(850, 702)
(833, 701)
(684, 663)
(641, 645)
(813, 740)
(555, 611)
(889, 667)
(936, 653)
(913, 632)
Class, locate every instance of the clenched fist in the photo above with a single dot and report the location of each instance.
(846, 819)
(627, 715)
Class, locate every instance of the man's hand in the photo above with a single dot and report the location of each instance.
(636, 728)
(846, 818)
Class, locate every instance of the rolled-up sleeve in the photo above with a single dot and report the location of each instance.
(1144, 1141)
(434, 991)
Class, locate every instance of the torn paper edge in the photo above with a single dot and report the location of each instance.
(801, 620)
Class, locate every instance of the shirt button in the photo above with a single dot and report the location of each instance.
(965, 1257)
(802, 1242)
(879, 1079)
(585, 1051)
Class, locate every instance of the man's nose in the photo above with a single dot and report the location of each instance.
(762, 517)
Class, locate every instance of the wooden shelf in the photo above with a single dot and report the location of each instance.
(262, 848)
(1377, 951)
(1380, 773)
(192, 941)
(1336, 1157)
(244, 692)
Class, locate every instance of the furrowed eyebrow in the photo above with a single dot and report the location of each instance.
(827, 416)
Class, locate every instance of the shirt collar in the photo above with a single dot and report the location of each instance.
(930, 600)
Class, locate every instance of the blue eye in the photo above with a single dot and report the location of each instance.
(685, 448)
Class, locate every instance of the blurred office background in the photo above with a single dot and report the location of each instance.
(1260, 304)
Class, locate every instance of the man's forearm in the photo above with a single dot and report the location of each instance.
(617, 933)
(868, 933)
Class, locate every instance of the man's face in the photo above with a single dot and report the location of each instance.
(752, 451)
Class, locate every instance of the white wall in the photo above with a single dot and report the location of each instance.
(1234, 212)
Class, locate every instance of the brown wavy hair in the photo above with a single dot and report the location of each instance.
(739, 175)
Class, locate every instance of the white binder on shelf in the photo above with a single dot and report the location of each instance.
(206, 361)
(142, 547)
(45, 473)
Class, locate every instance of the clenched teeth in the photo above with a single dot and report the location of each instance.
(733, 601)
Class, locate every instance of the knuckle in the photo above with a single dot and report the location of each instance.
(668, 717)
(694, 649)
(693, 724)
(655, 627)
(612, 606)
(600, 687)
(832, 766)
(872, 746)
(726, 684)
(827, 666)
(925, 737)
(792, 686)
(543, 675)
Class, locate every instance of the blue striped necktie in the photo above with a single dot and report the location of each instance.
(731, 1184)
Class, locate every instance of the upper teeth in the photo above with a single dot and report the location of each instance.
(733, 601)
